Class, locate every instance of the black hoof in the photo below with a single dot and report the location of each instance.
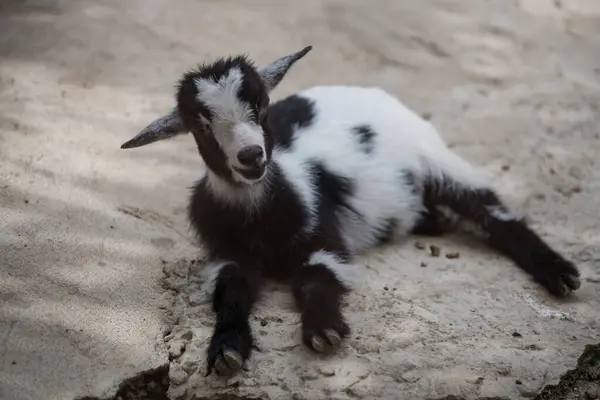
(559, 276)
(228, 352)
(229, 363)
(324, 338)
(328, 343)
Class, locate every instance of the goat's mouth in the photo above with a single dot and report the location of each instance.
(252, 174)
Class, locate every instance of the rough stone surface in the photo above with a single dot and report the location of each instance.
(581, 382)
(85, 300)
(148, 385)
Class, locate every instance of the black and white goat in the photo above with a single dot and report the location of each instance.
(294, 189)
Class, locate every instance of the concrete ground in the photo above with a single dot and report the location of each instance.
(85, 300)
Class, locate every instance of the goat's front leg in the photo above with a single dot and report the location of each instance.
(318, 288)
(234, 291)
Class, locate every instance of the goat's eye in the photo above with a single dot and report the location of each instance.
(262, 105)
(263, 101)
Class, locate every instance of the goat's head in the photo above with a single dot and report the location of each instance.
(224, 105)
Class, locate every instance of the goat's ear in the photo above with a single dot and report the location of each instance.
(272, 74)
(165, 127)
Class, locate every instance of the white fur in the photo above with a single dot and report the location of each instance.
(295, 171)
(380, 193)
(344, 272)
(209, 274)
(232, 124)
(249, 197)
(502, 213)
(403, 143)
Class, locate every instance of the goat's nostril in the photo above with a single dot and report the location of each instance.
(250, 155)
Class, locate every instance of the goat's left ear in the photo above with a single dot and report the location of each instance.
(161, 128)
(272, 74)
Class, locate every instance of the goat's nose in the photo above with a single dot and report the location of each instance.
(250, 155)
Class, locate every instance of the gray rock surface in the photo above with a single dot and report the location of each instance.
(514, 86)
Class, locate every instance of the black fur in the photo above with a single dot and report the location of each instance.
(267, 244)
(318, 295)
(513, 238)
(387, 231)
(264, 239)
(271, 241)
(366, 137)
(286, 115)
(267, 239)
(334, 187)
(251, 92)
(409, 179)
(430, 223)
(236, 291)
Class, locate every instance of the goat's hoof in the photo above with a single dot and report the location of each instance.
(324, 330)
(567, 284)
(560, 277)
(327, 343)
(228, 352)
(229, 363)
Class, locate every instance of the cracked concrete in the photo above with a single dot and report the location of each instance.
(86, 303)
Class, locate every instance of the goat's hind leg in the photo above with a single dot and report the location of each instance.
(463, 193)
(234, 291)
(432, 222)
(318, 288)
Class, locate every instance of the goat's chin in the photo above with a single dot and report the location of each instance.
(250, 177)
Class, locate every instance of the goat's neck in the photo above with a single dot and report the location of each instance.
(250, 197)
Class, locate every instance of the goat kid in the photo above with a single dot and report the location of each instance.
(294, 189)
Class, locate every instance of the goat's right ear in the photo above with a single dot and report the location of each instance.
(272, 74)
(165, 127)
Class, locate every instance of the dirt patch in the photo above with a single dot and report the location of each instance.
(282, 367)
(451, 397)
(148, 385)
(582, 382)
(154, 385)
